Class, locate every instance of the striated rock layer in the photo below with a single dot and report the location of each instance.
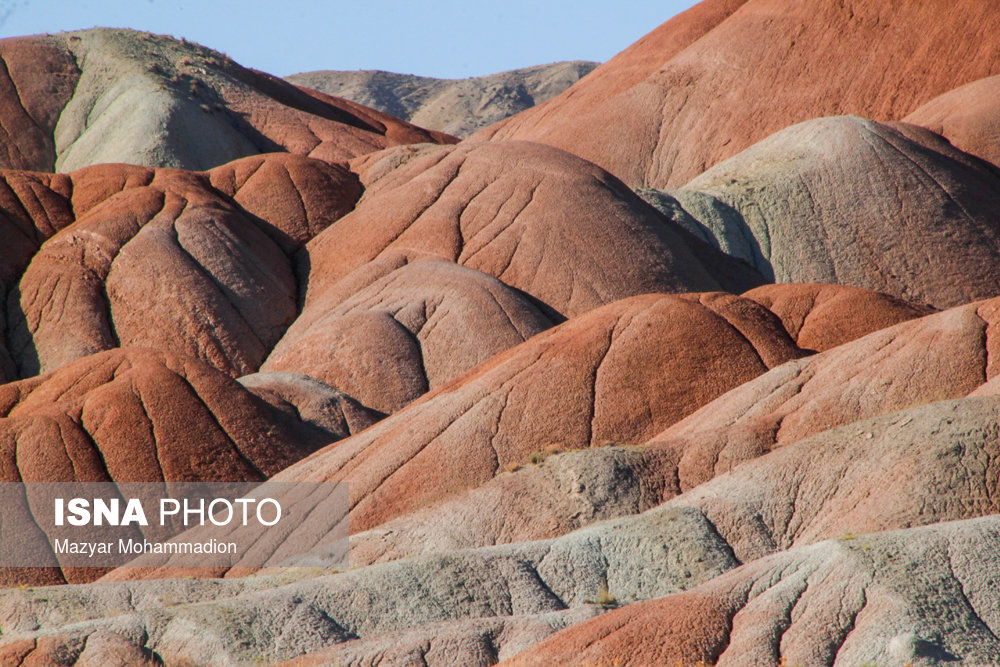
(618, 374)
(918, 596)
(767, 514)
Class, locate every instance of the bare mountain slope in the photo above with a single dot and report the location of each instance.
(727, 73)
(456, 106)
(76, 99)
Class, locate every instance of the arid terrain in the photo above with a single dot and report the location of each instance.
(456, 106)
(696, 362)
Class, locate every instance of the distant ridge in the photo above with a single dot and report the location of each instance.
(456, 106)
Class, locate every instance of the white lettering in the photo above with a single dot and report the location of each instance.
(277, 511)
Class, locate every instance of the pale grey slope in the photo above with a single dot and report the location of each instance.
(889, 207)
(456, 106)
(935, 463)
(477, 642)
(879, 473)
(917, 597)
(312, 401)
(398, 94)
(237, 621)
(126, 108)
(153, 100)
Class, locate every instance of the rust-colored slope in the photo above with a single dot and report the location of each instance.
(917, 362)
(537, 218)
(222, 239)
(923, 465)
(410, 330)
(627, 69)
(37, 78)
(296, 197)
(94, 420)
(615, 374)
(940, 356)
(33, 207)
(969, 117)
(655, 116)
(137, 415)
(820, 316)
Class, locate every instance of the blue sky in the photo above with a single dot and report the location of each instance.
(448, 38)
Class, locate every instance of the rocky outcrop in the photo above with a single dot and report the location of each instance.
(309, 400)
